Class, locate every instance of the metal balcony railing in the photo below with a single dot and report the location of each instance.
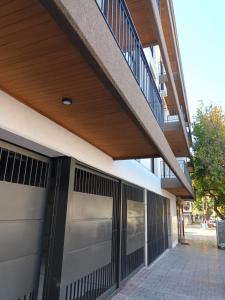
(171, 114)
(166, 172)
(121, 25)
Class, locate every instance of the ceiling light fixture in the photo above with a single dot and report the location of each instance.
(67, 101)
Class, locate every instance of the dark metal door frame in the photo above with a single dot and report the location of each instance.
(132, 262)
(157, 225)
(61, 190)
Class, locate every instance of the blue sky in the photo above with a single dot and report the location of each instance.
(201, 34)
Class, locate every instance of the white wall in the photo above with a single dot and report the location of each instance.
(45, 136)
(24, 126)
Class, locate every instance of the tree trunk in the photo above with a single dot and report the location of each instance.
(222, 217)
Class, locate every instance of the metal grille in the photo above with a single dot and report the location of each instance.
(157, 211)
(134, 260)
(121, 25)
(98, 282)
(29, 296)
(92, 285)
(131, 262)
(22, 169)
(94, 183)
(166, 172)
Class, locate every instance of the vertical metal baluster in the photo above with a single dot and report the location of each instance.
(89, 296)
(107, 12)
(82, 185)
(25, 170)
(46, 174)
(76, 180)
(70, 294)
(35, 177)
(84, 287)
(74, 290)
(6, 165)
(119, 25)
(40, 174)
(67, 292)
(88, 183)
(78, 289)
(87, 289)
(30, 171)
(123, 31)
(14, 158)
(84, 182)
(116, 28)
(129, 43)
(103, 6)
(80, 180)
(19, 169)
(93, 285)
(112, 16)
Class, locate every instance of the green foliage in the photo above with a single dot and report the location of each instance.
(203, 206)
(209, 156)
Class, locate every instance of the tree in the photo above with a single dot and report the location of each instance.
(203, 206)
(209, 156)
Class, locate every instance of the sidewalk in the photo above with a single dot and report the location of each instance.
(190, 272)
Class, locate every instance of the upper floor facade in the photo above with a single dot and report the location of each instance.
(116, 64)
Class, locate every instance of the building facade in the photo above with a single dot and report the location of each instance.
(94, 144)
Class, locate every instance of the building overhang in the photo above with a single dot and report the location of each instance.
(174, 186)
(67, 50)
(41, 65)
(177, 138)
(143, 17)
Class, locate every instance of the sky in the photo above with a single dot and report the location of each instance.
(201, 35)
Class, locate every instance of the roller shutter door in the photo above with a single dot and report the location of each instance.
(90, 257)
(23, 189)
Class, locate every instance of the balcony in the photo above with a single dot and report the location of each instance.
(120, 23)
(44, 59)
(170, 182)
(94, 58)
(160, 29)
(176, 132)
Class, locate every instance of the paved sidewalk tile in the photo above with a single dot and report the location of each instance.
(190, 272)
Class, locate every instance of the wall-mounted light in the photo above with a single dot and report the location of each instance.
(67, 101)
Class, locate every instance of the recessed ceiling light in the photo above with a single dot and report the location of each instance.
(67, 101)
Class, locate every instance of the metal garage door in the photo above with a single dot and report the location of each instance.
(157, 219)
(90, 258)
(133, 232)
(23, 181)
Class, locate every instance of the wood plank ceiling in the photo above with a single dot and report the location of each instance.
(177, 141)
(39, 65)
(143, 19)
